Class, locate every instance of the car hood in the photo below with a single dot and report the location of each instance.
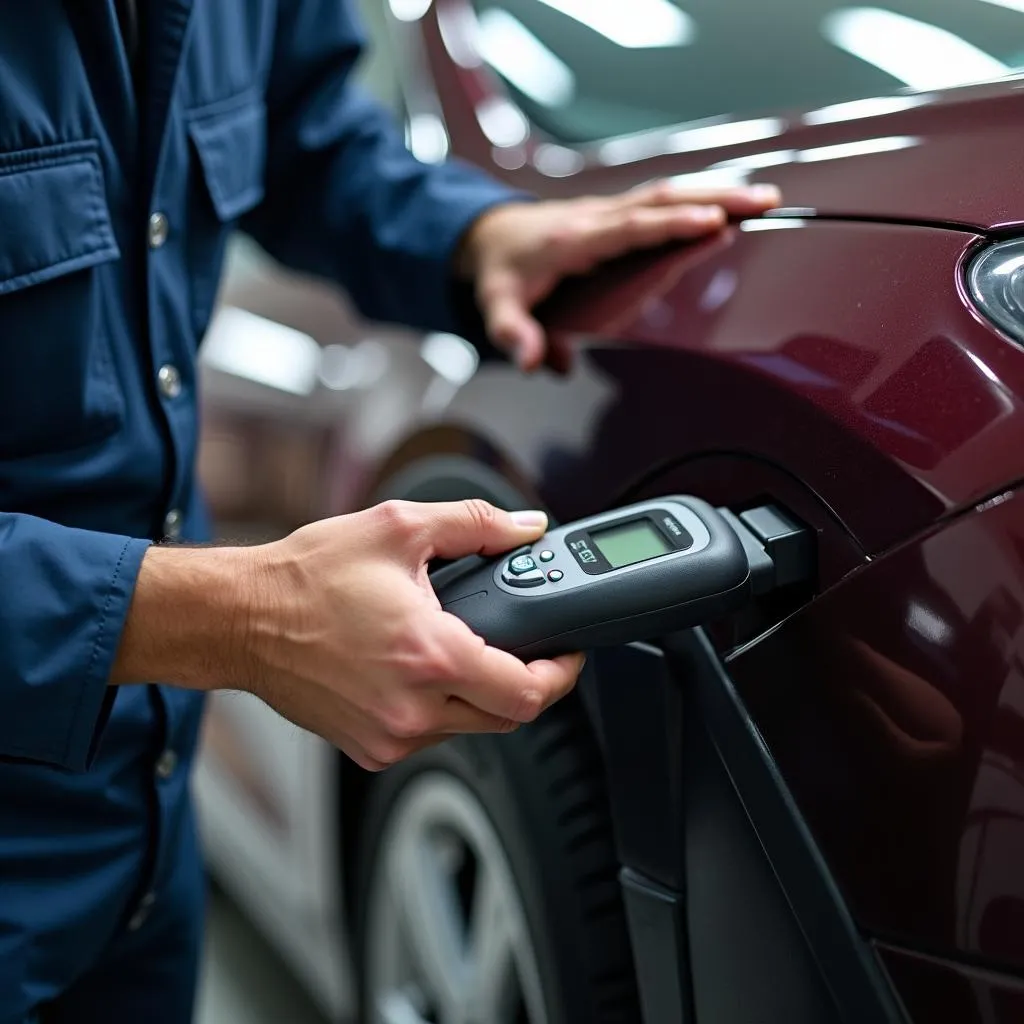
(954, 158)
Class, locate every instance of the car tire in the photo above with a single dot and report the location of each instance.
(499, 838)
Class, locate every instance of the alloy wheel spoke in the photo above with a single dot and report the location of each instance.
(490, 959)
(398, 1008)
(428, 906)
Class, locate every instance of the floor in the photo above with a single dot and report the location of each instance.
(243, 981)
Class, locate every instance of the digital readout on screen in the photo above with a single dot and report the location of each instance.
(630, 543)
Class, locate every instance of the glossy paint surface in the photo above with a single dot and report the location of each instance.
(949, 157)
(941, 992)
(894, 707)
(841, 352)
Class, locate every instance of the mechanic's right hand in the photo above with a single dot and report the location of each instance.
(348, 639)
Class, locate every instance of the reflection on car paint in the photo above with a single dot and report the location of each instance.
(894, 706)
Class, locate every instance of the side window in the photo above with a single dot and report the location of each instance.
(585, 70)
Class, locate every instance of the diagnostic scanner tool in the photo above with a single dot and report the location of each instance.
(635, 573)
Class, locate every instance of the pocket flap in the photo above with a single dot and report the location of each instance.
(54, 217)
(232, 147)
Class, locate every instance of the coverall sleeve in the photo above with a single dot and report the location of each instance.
(64, 596)
(345, 199)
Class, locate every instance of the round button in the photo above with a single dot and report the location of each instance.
(138, 919)
(168, 380)
(556, 575)
(166, 763)
(159, 228)
(522, 564)
(173, 522)
(547, 556)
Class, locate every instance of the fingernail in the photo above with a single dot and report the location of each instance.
(765, 193)
(530, 519)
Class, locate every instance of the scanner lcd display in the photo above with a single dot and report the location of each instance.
(630, 543)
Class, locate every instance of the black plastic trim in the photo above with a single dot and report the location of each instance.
(845, 959)
(657, 925)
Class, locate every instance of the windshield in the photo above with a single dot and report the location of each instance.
(591, 69)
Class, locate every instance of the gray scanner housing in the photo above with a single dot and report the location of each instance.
(643, 601)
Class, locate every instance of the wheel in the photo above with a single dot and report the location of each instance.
(487, 885)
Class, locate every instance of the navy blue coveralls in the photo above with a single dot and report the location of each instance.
(114, 211)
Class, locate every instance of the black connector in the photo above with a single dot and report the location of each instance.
(780, 551)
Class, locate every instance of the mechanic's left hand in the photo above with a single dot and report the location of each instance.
(518, 253)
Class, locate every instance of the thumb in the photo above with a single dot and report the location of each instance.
(458, 528)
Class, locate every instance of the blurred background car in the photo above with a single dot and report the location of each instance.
(812, 811)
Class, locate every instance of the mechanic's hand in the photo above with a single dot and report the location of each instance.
(518, 253)
(351, 642)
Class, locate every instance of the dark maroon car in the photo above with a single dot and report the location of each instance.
(812, 811)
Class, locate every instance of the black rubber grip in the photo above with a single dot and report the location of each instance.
(663, 596)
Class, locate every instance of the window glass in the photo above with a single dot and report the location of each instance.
(591, 69)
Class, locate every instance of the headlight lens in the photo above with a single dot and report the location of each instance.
(995, 279)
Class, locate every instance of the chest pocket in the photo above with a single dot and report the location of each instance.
(230, 142)
(58, 387)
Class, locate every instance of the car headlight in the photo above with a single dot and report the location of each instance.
(995, 280)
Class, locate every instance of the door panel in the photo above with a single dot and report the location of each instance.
(894, 708)
(938, 992)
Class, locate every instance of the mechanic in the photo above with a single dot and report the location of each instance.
(134, 135)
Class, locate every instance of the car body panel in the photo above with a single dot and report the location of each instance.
(938, 990)
(890, 386)
(893, 708)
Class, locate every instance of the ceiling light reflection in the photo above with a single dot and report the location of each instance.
(523, 60)
(840, 151)
(772, 225)
(427, 138)
(876, 106)
(502, 122)
(252, 347)
(715, 134)
(922, 55)
(636, 24)
(458, 26)
(409, 10)
(558, 161)
(758, 161)
(713, 177)
(1010, 266)
(928, 625)
(345, 368)
(1013, 5)
(450, 356)
(863, 147)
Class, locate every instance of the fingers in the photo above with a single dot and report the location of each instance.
(750, 199)
(381, 749)
(494, 693)
(460, 718)
(499, 684)
(623, 230)
(458, 528)
(511, 326)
